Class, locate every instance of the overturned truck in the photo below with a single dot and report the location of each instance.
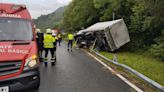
(108, 36)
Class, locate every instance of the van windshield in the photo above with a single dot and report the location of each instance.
(15, 29)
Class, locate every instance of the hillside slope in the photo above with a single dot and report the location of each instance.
(51, 20)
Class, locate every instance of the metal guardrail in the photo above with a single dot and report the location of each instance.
(148, 80)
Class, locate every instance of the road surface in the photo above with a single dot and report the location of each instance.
(77, 72)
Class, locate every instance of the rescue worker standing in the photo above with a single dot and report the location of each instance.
(39, 39)
(49, 45)
(55, 44)
(59, 38)
(70, 41)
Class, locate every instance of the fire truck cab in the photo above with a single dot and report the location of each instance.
(19, 63)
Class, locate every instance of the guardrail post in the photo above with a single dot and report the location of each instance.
(115, 59)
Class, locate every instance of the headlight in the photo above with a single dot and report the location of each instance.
(31, 62)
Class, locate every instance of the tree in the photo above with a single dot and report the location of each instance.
(80, 13)
(144, 19)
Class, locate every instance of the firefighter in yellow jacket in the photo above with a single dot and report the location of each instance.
(70, 41)
(49, 45)
(59, 38)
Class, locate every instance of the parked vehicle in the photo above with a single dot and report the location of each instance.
(18, 49)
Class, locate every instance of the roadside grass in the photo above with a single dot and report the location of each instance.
(131, 77)
(145, 64)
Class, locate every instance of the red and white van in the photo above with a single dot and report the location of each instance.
(18, 49)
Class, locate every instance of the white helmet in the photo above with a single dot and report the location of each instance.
(38, 30)
(48, 31)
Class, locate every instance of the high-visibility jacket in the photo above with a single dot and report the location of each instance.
(70, 37)
(49, 41)
(56, 38)
(59, 35)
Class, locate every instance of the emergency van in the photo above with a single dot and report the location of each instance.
(19, 64)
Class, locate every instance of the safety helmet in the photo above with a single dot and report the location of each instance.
(38, 30)
(48, 31)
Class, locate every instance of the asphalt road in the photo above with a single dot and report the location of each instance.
(77, 72)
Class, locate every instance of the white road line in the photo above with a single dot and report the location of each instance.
(117, 74)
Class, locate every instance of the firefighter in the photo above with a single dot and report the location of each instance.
(49, 45)
(39, 39)
(70, 41)
(55, 43)
(59, 38)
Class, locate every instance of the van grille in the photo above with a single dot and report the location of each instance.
(9, 67)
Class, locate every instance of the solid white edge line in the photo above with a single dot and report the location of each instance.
(118, 75)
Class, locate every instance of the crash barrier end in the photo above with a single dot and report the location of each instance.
(148, 80)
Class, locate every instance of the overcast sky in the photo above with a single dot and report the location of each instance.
(39, 7)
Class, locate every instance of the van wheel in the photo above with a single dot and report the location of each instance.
(37, 86)
(38, 83)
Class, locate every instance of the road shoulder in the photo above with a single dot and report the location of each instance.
(136, 83)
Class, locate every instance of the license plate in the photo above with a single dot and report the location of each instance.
(4, 89)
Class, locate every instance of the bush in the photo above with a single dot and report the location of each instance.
(158, 51)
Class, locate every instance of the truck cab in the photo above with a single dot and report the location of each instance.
(19, 63)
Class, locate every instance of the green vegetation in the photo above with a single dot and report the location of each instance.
(144, 19)
(79, 14)
(51, 20)
(141, 62)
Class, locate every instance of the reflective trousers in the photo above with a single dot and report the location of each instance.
(52, 50)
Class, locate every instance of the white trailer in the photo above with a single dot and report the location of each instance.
(115, 32)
